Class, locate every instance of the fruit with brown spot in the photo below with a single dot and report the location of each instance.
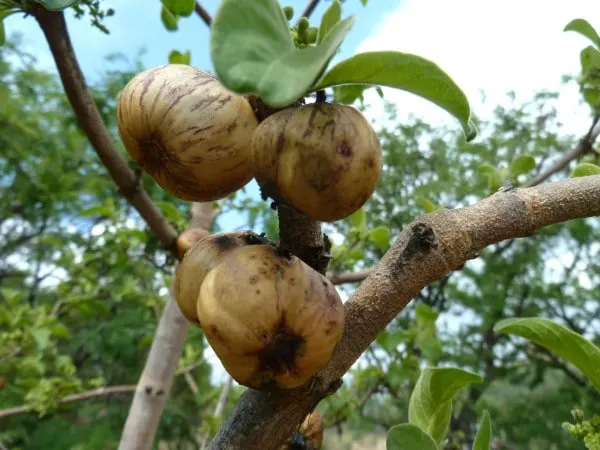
(186, 130)
(196, 263)
(309, 436)
(323, 159)
(271, 319)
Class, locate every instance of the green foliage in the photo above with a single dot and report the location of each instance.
(404, 71)
(409, 437)
(584, 28)
(56, 5)
(585, 170)
(559, 340)
(182, 8)
(330, 18)
(169, 20)
(430, 406)
(483, 438)
(265, 60)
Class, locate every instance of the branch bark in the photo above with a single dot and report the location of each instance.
(203, 14)
(426, 250)
(110, 390)
(55, 30)
(348, 277)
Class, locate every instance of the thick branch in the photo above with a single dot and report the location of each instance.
(73, 398)
(204, 15)
(55, 29)
(426, 250)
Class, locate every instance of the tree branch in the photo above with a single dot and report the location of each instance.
(584, 146)
(55, 29)
(426, 250)
(204, 15)
(219, 408)
(348, 277)
(310, 8)
(73, 398)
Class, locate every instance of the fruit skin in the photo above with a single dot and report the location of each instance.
(188, 238)
(191, 134)
(198, 261)
(324, 159)
(271, 319)
(309, 436)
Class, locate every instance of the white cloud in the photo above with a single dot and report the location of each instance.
(494, 46)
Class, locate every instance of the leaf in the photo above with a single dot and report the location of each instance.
(483, 438)
(358, 219)
(430, 405)
(425, 315)
(61, 331)
(584, 28)
(168, 19)
(559, 340)
(408, 72)
(492, 174)
(57, 5)
(585, 169)
(390, 340)
(253, 52)
(331, 16)
(381, 236)
(180, 7)
(522, 165)
(592, 97)
(176, 57)
(41, 337)
(2, 33)
(429, 206)
(349, 93)
(409, 437)
(169, 210)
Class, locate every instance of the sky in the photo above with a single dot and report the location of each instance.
(491, 46)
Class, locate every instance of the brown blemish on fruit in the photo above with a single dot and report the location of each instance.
(224, 242)
(253, 280)
(279, 355)
(331, 326)
(345, 149)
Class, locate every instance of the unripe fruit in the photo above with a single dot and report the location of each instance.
(188, 238)
(187, 131)
(198, 261)
(269, 317)
(309, 436)
(323, 159)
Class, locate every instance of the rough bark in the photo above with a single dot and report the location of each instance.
(426, 250)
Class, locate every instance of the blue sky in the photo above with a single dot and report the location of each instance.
(136, 25)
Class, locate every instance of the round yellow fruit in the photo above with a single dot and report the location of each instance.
(181, 126)
(323, 159)
(199, 259)
(270, 318)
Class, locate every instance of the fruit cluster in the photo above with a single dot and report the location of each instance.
(202, 142)
(270, 318)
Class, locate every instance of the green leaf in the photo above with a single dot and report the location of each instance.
(169, 210)
(429, 206)
(590, 59)
(180, 7)
(483, 438)
(585, 169)
(408, 72)
(381, 236)
(364, 2)
(2, 33)
(592, 97)
(584, 28)
(425, 315)
(493, 175)
(57, 5)
(358, 219)
(430, 406)
(331, 16)
(41, 337)
(409, 437)
(390, 340)
(253, 52)
(559, 340)
(522, 165)
(176, 57)
(349, 93)
(168, 19)
(61, 331)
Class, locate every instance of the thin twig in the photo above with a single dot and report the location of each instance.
(204, 15)
(348, 277)
(310, 8)
(73, 398)
(584, 146)
(219, 408)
